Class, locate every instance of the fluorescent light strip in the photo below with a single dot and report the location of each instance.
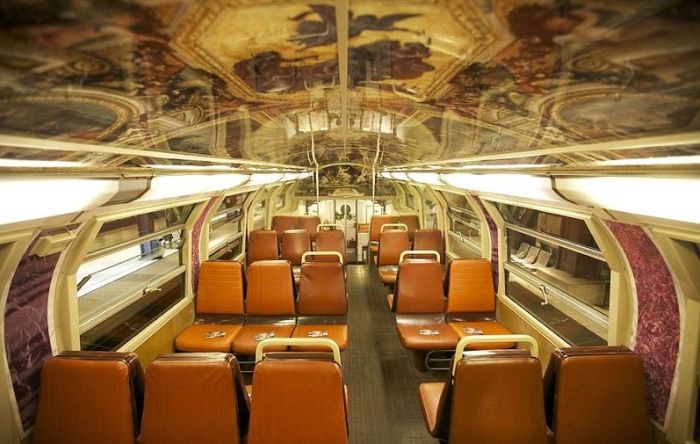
(29, 163)
(651, 161)
(29, 199)
(667, 198)
(517, 185)
(426, 178)
(164, 187)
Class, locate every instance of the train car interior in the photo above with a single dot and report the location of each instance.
(350, 221)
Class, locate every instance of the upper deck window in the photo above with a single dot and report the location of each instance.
(226, 228)
(464, 226)
(132, 273)
(557, 273)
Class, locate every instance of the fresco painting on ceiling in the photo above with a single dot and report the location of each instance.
(460, 78)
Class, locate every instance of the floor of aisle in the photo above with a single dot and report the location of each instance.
(380, 374)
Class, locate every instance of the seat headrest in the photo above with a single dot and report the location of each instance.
(194, 397)
(262, 245)
(330, 240)
(470, 286)
(376, 222)
(220, 288)
(391, 244)
(322, 289)
(419, 287)
(270, 289)
(429, 239)
(69, 383)
(294, 244)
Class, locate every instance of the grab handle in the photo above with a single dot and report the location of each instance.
(482, 339)
(297, 341)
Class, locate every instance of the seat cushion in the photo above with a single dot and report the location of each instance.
(429, 397)
(486, 328)
(338, 333)
(388, 275)
(411, 337)
(245, 343)
(206, 338)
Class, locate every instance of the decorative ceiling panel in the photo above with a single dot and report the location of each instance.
(434, 79)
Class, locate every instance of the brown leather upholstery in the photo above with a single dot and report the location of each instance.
(298, 401)
(411, 222)
(331, 240)
(392, 243)
(495, 398)
(419, 287)
(322, 302)
(89, 397)
(309, 223)
(597, 394)
(430, 240)
(270, 289)
(322, 290)
(420, 307)
(470, 287)
(269, 305)
(294, 244)
(262, 246)
(194, 398)
(220, 293)
(282, 223)
(376, 222)
(471, 301)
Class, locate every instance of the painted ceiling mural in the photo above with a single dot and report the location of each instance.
(428, 80)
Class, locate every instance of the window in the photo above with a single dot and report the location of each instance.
(464, 225)
(132, 273)
(226, 228)
(279, 203)
(431, 221)
(557, 273)
(259, 218)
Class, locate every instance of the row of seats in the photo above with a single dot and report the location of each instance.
(394, 242)
(282, 223)
(427, 321)
(231, 317)
(263, 245)
(185, 398)
(589, 395)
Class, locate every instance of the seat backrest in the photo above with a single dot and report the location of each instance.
(89, 397)
(430, 239)
(309, 223)
(294, 244)
(262, 246)
(597, 394)
(375, 225)
(419, 287)
(331, 240)
(497, 398)
(270, 289)
(220, 289)
(391, 244)
(194, 397)
(282, 223)
(298, 401)
(470, 287)
(322, 290)
(411, 222)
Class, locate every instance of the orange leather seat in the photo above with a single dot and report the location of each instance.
(375, 226)
(294, 244)
(219, 306)
(309, 223)
(298, 400)
(430, 240)
(269, 305)
(89, 397)
(420, 307)
(194, 398)
(412, 224)
(331, 240)
(597, 394)
(322, 306)
(391, 244)
(471, 301)
(282, 223)
(494, 397)
(262, 246)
